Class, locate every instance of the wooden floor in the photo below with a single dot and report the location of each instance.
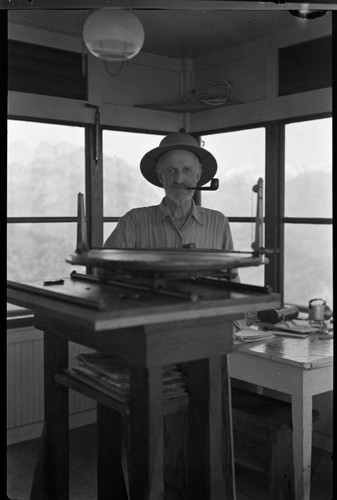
(249, 485)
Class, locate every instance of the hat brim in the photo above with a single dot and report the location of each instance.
(207, 160)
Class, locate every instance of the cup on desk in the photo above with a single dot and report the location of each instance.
(316, 310)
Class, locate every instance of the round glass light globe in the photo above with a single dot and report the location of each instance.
(113, 35)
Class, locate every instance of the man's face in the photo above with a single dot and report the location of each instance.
(176, 170)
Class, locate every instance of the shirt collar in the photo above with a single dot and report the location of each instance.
(196, 212)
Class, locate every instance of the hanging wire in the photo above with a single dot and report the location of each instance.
(108, 70)
(107, 67)
(213, 93)
(84, 63)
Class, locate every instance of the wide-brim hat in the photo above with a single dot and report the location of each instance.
(179, 140)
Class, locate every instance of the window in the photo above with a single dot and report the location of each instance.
(46, 170)
(241, 162)
(124, 187)
(308, 211)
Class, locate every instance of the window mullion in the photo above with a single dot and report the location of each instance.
(306, 220)
(274, 205)
(37, 220)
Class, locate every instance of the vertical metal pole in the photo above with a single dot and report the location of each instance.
(82, 235)
(274, 195)
(258, 243)
(94, 186)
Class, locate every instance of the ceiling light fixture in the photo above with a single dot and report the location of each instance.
(307, 14)
(113, 35)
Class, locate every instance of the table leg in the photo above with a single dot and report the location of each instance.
(146, 434)
(110, 481)
(39, 489)
(208, 474)
(56, 417)
(227, 431)
(302, 441)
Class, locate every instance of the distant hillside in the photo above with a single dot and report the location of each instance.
(45, 183)
(126, 188)
(49, 182)
(55, 175)
(309, 195)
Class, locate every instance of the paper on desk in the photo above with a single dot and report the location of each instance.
(253, 335)
(296, 326)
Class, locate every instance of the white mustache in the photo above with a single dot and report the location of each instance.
(183, 186)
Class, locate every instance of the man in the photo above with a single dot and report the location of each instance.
(177, 163)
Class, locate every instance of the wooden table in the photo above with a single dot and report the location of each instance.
(300, 367)
(148, 331)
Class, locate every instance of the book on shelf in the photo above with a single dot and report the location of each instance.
(109, 375)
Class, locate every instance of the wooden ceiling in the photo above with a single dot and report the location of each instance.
(178, 33)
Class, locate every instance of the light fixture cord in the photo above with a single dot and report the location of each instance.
(108, 70)
(107, 67)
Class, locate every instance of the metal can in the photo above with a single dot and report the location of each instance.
(316, 310)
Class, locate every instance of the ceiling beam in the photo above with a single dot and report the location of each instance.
(163, 4)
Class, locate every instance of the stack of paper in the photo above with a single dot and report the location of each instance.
(299, 327)
(253, 335)
(102, 371)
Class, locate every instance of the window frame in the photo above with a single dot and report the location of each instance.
(296, 220)
(24, 317)
(274, 218)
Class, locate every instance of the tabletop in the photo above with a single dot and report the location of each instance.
(100, 306)
(309, 352)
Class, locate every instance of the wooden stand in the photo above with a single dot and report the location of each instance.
(146, 335)
(209, 411)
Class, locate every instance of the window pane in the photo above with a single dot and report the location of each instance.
(308, 169)
(124, 185)
(108, 227)
(45, 169)
(241, 162)
(38, 251)
(308, 263)
(243, 236)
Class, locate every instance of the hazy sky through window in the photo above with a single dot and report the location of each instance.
(314, 136)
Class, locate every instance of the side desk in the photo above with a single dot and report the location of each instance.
(298, 367)
(147, 333)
